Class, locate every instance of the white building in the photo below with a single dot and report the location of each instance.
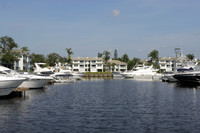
(87, 64)
(118, 66)
(169, 64)
(24, 62)
(166, 64)
(96, 64)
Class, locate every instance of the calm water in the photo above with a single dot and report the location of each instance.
(95, 106)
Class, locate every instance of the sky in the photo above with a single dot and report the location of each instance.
(134, 27)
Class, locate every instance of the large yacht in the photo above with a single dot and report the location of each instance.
(59, 72)
(32, 81)
(8, 84)
(188, 77)
(142, 72)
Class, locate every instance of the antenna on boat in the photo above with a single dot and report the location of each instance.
(178, 52)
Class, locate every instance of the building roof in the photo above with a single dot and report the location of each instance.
(21, 51)
(167, 58)
(117, 62)
(86, 58)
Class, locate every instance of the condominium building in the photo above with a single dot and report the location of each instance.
(87, 64)
(117, 66)
(24, 61)
(166, 64)
(169, 64)
(96, 64)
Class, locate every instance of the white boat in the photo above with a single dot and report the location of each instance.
(117, 75)
(32, 81)
(39, 70)
(142, 72)
(57, 72)
(8, 84)
(62, 77)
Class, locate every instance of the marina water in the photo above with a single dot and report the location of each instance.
(104, 106)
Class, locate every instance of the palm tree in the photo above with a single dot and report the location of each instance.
(25, 49)
(113, 66)
(154, 55)
(106, 56)
(100, 55)
(69, 52)
(125, 58)
(190, 56)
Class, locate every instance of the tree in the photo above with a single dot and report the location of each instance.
(109, 66)
(37, 58)
(125, 58)
(69, 52)
(100, 55)
(7, 44)
(8, 56)
(63, 60)
(53, 58)
(133, 63)
(113, 66)
(106, 55)
(154, 55)
(115, 55)
(25, 49)
(190, 56)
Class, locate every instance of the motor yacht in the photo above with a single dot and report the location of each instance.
(188, 77)
(142, 72)
(9, 83)
(43, 71)
(32, 81)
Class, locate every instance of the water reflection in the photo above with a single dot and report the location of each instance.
(189, 86)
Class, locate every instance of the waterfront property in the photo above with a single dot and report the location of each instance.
(170, 64)
(87, 64)
(24, 62)
(118, 66)
(96, 64)
(166, 64)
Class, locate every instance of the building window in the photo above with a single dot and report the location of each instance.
(99, 65)
(75, 65)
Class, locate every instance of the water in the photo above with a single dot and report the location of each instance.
(104, 106)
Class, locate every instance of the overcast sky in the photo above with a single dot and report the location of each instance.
(135, 27)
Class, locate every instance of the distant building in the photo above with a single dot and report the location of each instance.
(166, 64)
(24, 62)
(169, 64)
(88, 64)
(117, 66)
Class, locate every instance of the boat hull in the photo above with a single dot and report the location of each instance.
(35, 83)
(188, 78)
(7, 86)
(126, 75)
